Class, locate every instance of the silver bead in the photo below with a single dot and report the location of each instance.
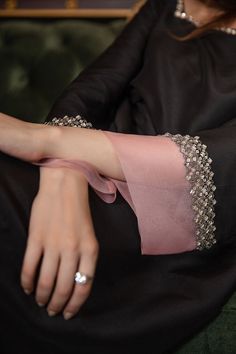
(66, 121)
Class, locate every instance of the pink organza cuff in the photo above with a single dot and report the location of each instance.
(160, 194)
(155, 187)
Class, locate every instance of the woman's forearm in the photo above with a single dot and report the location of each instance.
(33, 142)
(87, 145)
(24, 140)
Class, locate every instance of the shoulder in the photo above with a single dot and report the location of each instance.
(154, 10)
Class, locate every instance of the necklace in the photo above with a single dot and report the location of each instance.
(180, 13)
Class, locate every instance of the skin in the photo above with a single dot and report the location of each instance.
(61, 232)
(202, 13)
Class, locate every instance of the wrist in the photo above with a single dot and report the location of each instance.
(50, 137)
(54, 178)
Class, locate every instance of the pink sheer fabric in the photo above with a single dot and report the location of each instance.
(155, 174)
(104, 187)
(155, 187)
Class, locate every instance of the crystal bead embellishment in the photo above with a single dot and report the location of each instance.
(66, 121)
(200, 176)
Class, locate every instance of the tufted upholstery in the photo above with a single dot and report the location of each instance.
(37, 60)
(217, 338)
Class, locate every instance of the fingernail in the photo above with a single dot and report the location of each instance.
(68, 315)
(51, 313)
(40, 304)
(27, 291)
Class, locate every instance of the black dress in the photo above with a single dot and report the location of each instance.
(147, 83)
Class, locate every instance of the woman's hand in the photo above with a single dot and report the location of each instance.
(61, 242)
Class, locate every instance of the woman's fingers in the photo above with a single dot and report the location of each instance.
(48, 273)
(61, 242)
(65, 282)
(81, 292)
(30, 263)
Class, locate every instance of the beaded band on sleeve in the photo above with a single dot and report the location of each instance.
(200, 176)
(66, 121)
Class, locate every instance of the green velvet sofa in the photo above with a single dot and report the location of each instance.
(37, 60)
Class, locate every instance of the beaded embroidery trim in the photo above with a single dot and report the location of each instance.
(66, 121)
(200, 177)
(180, 13)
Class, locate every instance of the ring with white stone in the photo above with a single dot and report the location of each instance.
(82, 279)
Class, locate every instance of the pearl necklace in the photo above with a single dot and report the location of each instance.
(180, 13)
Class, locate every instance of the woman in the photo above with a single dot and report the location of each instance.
(166, 260)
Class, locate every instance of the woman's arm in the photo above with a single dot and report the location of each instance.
(148, 171)
(94, 148)
(170, 183)
(61, 237)
(33, 142)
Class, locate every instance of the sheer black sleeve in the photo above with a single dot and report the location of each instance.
(96, 92)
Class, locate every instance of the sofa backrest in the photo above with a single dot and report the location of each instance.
(38, 59)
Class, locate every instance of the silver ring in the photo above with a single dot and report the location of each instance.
(82, 279)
